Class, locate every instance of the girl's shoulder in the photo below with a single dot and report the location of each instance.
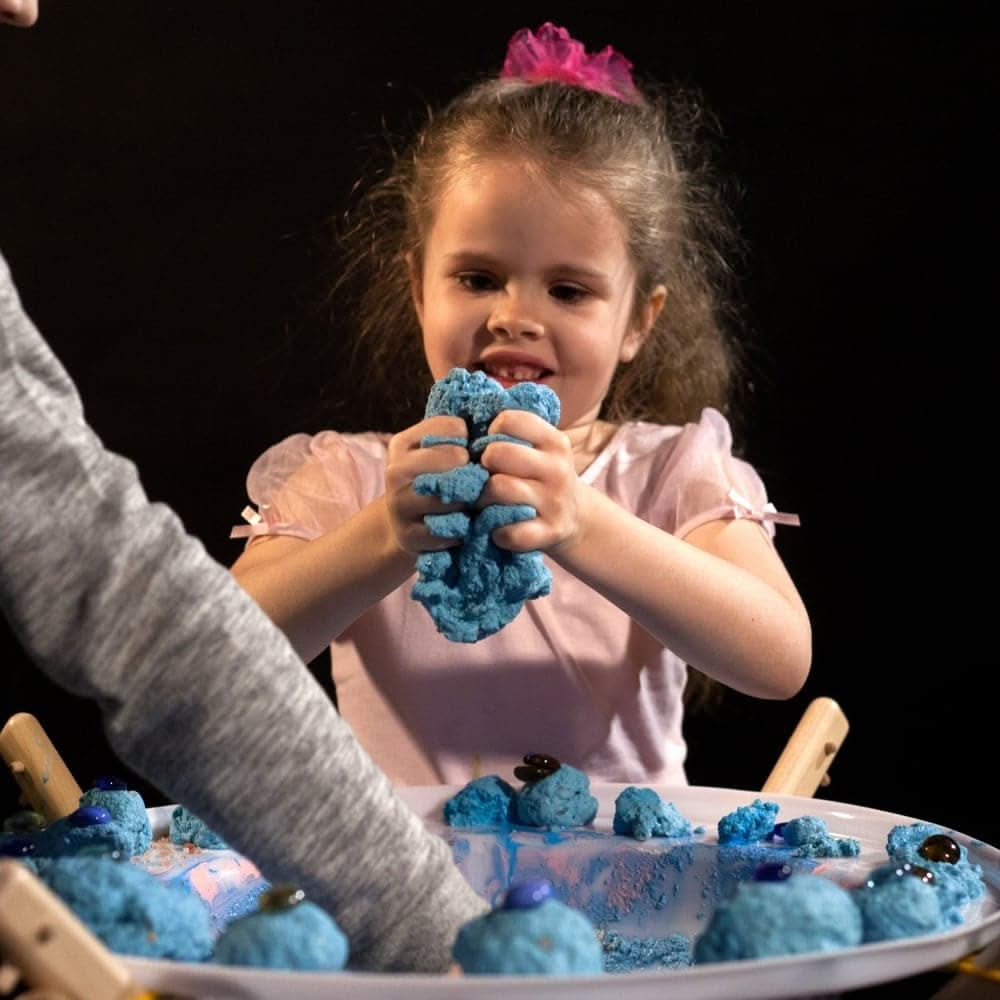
(638, 447)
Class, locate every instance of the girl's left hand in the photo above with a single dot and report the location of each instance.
(543, 476)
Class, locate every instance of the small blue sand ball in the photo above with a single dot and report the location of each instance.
(897, 904)
(128, 810)
(641, 813)
(300, 936)
(131, 911)
(559, 800)
(485, 801)
(800, 914)
(548, 939)
(186, 828)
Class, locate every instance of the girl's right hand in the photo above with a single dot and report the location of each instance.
(406, 460)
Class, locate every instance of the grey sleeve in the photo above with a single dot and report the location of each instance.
(199, 692)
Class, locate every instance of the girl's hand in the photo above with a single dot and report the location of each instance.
(405, 461)
(543, 476)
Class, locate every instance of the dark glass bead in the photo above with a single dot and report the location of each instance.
(527, 894)
(17, 847)
(24, 821)
(883, 874)
(109, 783)
(940, 847)
(536, 766)
(90, 816)
(280, 897)
(777, 831)
(771, 871)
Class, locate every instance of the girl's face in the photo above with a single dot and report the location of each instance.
(527, 282)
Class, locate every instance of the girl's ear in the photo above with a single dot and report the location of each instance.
(416, 286)
(638, 331)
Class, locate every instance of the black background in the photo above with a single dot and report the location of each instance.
(166, 175)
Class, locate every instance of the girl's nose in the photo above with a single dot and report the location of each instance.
(514, 316)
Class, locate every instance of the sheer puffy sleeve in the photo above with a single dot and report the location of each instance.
(307, 484)
(701, 480)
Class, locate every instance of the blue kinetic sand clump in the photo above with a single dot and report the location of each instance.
(547, 939)
(130, 910)
(810, 838)
(186, 828)
(476, 588)
(896, 904)
(301, 936)
(127, 808)
(747, 824)
(561, 799)
(485, 801)
(801, 914)
(957, 881)
(641, 813)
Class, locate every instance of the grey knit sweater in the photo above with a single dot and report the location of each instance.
(199, 692)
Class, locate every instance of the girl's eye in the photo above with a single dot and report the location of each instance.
(568, 293)
(476, 281)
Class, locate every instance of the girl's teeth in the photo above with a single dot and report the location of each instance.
(518, 374)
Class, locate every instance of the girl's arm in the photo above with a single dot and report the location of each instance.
(720, 598)
(313, 590)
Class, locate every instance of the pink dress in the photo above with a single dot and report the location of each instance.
(572, 676)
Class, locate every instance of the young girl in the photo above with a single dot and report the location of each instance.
(551, 226)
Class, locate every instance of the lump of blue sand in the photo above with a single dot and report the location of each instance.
(546, 940)
(474, 589)
(186, 828)
(131, 911)
(894, 904)
(956, 883)
(559, 800)
(801, 914)
(485, 801)
(810, 838)
(302, 937)
(641, 813)
(746, 824)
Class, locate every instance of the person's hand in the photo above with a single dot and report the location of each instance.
(19, 13)
(543, 476)
(405, 461)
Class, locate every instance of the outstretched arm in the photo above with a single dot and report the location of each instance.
(199, 692)
(720, 598)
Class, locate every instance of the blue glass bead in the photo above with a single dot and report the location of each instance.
(771, 871)
(109, 783)
(17, 847)
(90, 816)
(529, 893)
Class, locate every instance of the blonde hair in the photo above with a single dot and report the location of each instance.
(650, 160)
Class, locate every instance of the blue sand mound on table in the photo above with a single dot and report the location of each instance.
(128, 810)
(301, 936)
(550, 939)
(746, 824)
(641, 813)
(894, 904)
(957, 881)
(474, 589)
(485, 801)
(186, 828)
(810, 838)
(801, 914)
(559, 800)
(129, 910)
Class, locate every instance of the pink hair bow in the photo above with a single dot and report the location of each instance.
(552, 54)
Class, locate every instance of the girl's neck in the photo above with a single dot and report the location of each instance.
(589, 441)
